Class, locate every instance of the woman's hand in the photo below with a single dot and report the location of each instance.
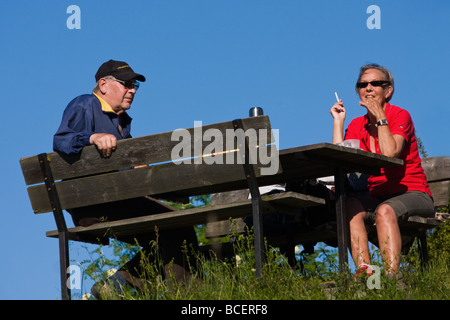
(338, 111)
(390, 145)
(374, 108)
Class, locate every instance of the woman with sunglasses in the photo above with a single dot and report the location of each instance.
(395, 193)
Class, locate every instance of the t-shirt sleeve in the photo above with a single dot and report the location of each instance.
(353, 130)
(402, 124)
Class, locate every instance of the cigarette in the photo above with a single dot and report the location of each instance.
(337, 98)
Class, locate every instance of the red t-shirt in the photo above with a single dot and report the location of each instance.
(408, 177)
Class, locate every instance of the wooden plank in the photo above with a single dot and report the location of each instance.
(320, 160)
(441, 192)
(323, 233)
(188, 217)
(191, 179)
(297, 168)
(199, 179)
(284, 202)
(129, 153)
(436, 168)
(216, 229)
(332, 155)
(222, 228)
(420, 223)
(162, 221)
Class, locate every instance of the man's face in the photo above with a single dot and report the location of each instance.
(118, 96)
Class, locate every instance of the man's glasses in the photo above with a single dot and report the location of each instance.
(130, 84)
(375, 83)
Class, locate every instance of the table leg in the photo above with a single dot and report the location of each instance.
(259, 236)
(256, 201)
(341, 219)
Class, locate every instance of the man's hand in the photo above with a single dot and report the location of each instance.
(106, 143)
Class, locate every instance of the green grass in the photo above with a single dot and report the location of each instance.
(235, 279)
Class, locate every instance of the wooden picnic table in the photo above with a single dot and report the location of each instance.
(315, 161)
(325, 159)
(58, 182)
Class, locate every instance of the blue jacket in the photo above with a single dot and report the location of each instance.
(84, 116)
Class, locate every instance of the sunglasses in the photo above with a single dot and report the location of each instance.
(130, 84)
(375, 83)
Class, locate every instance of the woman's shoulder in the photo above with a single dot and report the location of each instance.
(393, 110)
(358, 121)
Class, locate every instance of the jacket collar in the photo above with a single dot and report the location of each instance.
(105, 105)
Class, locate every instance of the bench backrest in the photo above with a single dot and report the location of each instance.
(437, 170)
(87, 178)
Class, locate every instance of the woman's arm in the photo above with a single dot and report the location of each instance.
(338, 113)
(390, 145)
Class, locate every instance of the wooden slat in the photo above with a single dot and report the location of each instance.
(201, 179)
(289, 202)
(192, 179)
(162, 221)
(420, 222)
(222, 228)
(130, 152)
(436, 168)
(320, 160)
(284, 202)
(441, 192)
(318, 155)
(215, 228)
(189, 217)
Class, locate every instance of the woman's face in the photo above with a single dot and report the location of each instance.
(378, 93)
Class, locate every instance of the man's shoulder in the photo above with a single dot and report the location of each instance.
(84, 101)
(85, 98)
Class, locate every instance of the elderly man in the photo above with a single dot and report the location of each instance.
(101, 119)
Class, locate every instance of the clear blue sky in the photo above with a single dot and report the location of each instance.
(207, 60)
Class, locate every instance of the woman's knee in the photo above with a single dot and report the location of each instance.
(385, 214)
(355, 211)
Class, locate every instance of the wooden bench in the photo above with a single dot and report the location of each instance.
(289, 226)
(57, 182)
(437, 170)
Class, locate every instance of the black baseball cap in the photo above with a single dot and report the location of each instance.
(119, 70)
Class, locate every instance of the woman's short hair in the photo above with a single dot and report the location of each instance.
(387, 74)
